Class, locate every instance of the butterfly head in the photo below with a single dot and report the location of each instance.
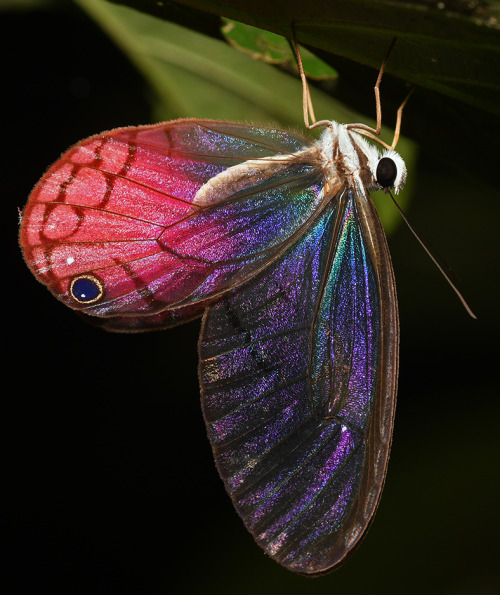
(390, 171)
(379, 170)
(348, 155)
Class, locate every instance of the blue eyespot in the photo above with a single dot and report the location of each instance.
(86, 289)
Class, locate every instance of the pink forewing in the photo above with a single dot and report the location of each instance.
(121, 206)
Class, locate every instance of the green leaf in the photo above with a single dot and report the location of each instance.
(274, 49)
(450, 47)
(194, 75)
(449, 50)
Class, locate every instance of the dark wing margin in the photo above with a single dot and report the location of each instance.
(380, 425)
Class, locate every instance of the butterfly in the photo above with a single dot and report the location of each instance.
(273, 238)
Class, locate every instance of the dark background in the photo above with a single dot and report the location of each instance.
(108, 484)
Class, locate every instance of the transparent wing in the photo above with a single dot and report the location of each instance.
(298, 372)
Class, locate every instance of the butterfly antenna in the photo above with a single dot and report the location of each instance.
(430, 255)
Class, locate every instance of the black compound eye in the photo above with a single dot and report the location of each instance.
(386, 172)
(86, 289)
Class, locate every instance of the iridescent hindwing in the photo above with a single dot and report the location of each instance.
(298, 371)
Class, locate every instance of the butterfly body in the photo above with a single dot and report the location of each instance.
(275, 238)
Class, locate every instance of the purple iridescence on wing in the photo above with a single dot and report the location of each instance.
(346, 333)
(288, 378)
